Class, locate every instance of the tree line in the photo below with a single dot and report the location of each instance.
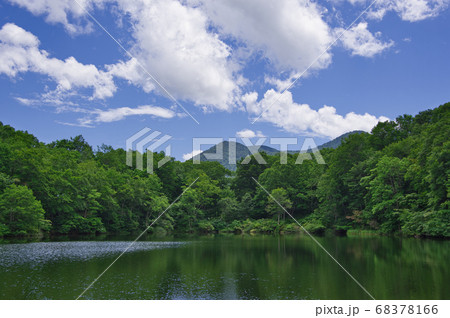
(392, 180)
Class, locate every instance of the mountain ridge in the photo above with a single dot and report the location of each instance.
(242, 151)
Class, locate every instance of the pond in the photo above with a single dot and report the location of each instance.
(227, 267)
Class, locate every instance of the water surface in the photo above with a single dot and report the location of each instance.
(227, 267)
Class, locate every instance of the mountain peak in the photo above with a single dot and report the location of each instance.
(242, 151)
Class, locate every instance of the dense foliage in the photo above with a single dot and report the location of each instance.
(394, 180)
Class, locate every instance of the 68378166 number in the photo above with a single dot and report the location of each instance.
(406, 309)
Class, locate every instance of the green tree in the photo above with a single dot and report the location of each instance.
(278, 197)
(77, 144)
(386, 195)
(229, 209)
(20, 212)
(187, 212)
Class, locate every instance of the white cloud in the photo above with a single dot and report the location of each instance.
(59, 12)
(247, 133)
(58, 98)
(360, 41)
(19, 52)
(182, 44)
(281, 84)
(291, 33)
(13, 35)
(133, 73)
(172, 41)
(190, 155)
(116, 114)
(192, 64)
(408, 10)
(415, 10)
(283, 112)
(25, 101)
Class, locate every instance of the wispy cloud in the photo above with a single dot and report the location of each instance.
(116, 114)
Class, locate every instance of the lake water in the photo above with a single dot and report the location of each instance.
(227, 267)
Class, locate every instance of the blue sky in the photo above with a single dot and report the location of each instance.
(226, 63)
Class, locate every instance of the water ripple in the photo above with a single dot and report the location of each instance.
(40, 253)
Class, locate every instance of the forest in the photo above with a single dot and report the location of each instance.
(394, 180)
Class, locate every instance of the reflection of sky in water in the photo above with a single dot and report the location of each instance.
(40, 253)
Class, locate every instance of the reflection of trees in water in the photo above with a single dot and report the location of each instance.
(246, 267)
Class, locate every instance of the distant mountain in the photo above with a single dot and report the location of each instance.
(242, 151)
(239, 149)
(336, 142)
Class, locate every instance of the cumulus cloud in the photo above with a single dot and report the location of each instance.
(248, 133)
(192, 154)
(133, 73)
(183, 44)
(360, 41)
(172, 42)
(301, 119)
(291, 33)
(174, 45)
(19, 52)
